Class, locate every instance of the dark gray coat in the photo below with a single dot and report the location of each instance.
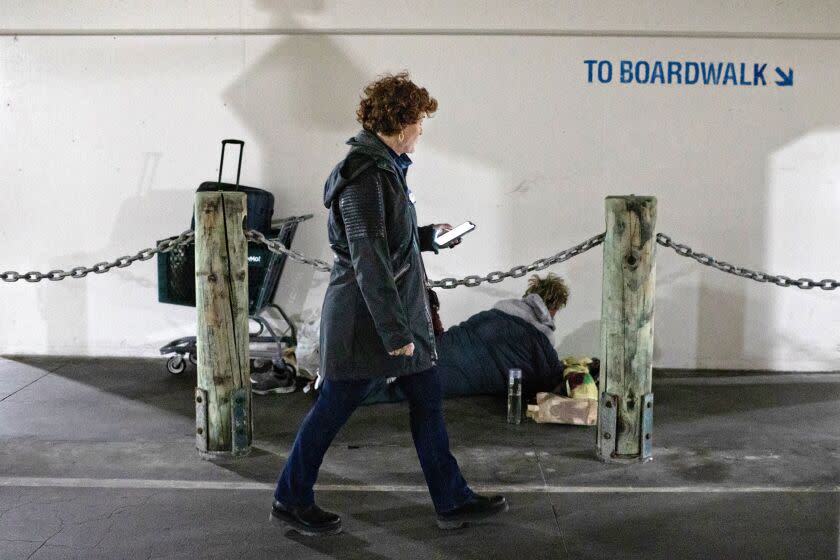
(376, 300)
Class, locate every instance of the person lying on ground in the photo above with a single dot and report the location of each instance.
(474, 357)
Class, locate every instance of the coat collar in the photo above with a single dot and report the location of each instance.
(368, 143)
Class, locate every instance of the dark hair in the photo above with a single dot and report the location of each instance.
(552, 289)
(393, 102)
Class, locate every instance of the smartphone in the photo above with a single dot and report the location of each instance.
(445, 239)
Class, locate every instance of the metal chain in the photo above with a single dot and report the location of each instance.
(99, 268)
(447, 283)
(276, 224)
(783, 281)
(519, 271)
(471, 281)
(280, 249)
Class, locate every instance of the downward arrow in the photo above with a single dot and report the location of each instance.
(786, 79)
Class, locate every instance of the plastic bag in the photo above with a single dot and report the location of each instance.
(308, 351)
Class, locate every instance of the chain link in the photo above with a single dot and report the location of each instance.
(280, 249)
(102, 267)
(519, 271)
(780, 280)
(447, 283)
(470, 281)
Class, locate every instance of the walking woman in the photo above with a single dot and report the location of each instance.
(376, 322)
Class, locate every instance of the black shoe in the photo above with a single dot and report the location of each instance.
(275, 382)
(477, 507)
(311, 521)
(259, 376)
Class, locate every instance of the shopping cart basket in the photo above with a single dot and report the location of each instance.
(176, 285)
(176, 279)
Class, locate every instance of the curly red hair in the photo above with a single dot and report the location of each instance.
(393, 102)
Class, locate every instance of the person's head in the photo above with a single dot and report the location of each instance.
(393, 107)
(552, 289)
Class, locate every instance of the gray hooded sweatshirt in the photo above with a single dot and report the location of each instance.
(530, 308)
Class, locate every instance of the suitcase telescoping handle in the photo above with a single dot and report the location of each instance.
(222, 163)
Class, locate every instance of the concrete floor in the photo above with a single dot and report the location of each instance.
(97, 460)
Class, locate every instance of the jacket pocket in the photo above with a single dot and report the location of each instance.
(401, 272)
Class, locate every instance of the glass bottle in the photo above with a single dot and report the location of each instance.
(514, 404)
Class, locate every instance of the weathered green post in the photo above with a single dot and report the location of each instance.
(625, 408)
(223, 396)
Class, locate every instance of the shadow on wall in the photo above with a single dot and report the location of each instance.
(741, 325)
(300, 97)
(583, 341)
(303, 85)
(170, 206)
(68, 298)
(802, 207)
(716, 346)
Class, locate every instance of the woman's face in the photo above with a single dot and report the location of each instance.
(411, 135)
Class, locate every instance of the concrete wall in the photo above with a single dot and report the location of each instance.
(111, 115)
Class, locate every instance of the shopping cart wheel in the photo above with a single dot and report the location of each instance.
(176, 365)
(193, 359)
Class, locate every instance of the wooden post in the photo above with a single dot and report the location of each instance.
(223, 395)
(625, 409)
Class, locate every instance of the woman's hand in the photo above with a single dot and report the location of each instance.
(443, 228)
(407, 350)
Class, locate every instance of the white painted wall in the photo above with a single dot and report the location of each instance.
(111, 114)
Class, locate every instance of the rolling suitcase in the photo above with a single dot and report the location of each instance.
(260, 202)
(176, 269)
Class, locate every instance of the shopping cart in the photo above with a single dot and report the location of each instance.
(176, 285)
(176, 278)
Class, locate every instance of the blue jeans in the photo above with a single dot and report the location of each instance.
(337, 401)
